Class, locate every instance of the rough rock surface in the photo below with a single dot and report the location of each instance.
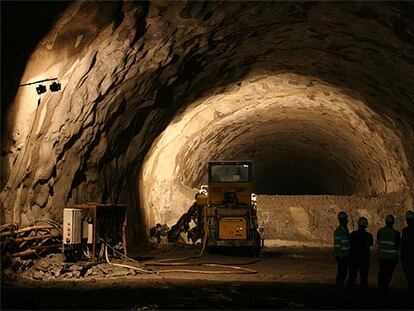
(312, 219)
(127, 68)
(301, 138)
(52, 267)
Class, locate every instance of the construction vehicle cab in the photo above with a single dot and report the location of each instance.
(230, 213)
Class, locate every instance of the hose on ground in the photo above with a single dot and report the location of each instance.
(236, 269)
(173, 261)
(143, 271)
(165, 264)
(244, 271)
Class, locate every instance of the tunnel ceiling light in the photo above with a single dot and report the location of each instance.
(41, 89)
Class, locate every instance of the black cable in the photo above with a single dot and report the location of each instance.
(36, 82)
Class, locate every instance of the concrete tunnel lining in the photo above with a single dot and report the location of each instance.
(125, 77)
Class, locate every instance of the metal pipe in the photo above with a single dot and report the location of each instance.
(36, 82)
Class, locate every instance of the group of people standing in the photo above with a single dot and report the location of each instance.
(352, 252)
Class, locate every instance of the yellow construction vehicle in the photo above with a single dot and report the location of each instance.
(230, 212)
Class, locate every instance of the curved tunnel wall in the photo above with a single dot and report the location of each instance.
(303, 136)
(128, 68)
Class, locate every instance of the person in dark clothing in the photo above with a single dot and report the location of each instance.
(407, 251)
(341, 248)
(388, 240)
(360, 254)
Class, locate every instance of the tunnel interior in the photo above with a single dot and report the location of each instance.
(305, 137)
(319, 95)
(153, 91)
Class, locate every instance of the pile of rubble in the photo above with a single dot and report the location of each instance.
(52, 267)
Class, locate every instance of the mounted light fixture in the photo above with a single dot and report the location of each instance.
(41, 89)
(54, 87)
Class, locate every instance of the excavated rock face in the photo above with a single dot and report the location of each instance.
(316, 92)
(303, 136)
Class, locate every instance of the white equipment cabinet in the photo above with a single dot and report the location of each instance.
(72, 233)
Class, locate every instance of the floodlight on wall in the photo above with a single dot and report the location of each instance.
(54, 87)
(41, 89)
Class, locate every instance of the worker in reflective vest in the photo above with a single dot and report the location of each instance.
(341, 247)
(388, 240)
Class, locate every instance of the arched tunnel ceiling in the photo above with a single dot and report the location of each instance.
(303, 135)
(128, 68)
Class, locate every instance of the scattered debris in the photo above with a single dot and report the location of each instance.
(34, 252)
(53, 267)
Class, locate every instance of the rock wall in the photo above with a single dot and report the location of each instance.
(303, 136)
(312, 219)
(127, 68)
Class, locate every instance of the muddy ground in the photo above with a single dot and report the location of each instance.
(287, 278)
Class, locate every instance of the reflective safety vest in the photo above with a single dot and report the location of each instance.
(341, 241)
(387, 248)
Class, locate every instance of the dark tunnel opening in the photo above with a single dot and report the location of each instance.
(302, 175)
(292, 172)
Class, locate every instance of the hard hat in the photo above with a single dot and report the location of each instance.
(409, 215)
(390, 219)
(342, 215)
(362, 222)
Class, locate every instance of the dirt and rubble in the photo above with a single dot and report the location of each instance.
(289, 277)
(53, 267)
(279, 261)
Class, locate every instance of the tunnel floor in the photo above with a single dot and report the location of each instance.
(287, 278)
